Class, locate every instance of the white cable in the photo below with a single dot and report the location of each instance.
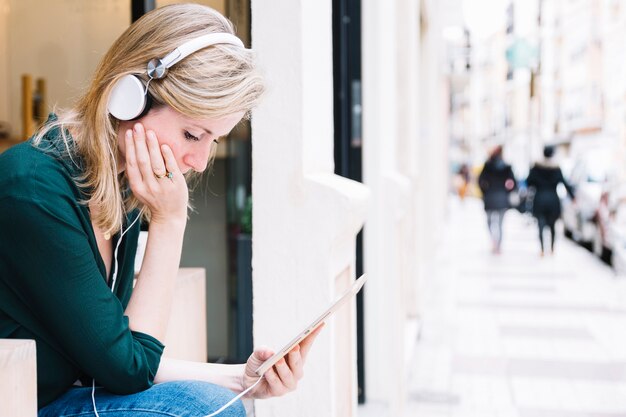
(93, 397)
(114, 276)
(113, 279)
(228, 404)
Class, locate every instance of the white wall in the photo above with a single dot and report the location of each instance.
(305, 217)
(408, 150)
(434, 133)
(384, 302)
(405, 100)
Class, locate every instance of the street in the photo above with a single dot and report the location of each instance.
(517, 334)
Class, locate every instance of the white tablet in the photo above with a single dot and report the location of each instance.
(351, 292)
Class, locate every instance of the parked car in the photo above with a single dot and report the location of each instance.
(610, 237)
(589, 175)
(602, 244)
(618, 254)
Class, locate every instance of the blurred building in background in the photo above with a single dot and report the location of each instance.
(525, 74)
(551, 72)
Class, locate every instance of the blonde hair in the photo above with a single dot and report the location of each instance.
(213, 82)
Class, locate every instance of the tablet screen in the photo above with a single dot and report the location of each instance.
(351, 292)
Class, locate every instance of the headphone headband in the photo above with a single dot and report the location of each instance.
(157, 68)
(129, 95)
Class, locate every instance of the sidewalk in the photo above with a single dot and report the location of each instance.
(517, 335)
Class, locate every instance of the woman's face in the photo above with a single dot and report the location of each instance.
(192, 140)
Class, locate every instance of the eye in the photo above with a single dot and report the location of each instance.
(189, 136)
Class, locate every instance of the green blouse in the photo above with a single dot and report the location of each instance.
(53, 285)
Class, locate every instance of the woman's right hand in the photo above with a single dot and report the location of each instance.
(154, 176)
(281, 378)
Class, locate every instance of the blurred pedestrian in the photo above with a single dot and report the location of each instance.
(544, 177)
(464, 179)
(496, 181)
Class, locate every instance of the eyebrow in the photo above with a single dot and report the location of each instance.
(206, 130)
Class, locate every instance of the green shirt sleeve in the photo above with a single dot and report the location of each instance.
(56, 274)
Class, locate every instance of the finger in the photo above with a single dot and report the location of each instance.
(170, 162)
(132, 170)
(275, 385)
(142, 155)
(261, 356)
(285, 375)
(156, 157)
(256, 359)
(306, 344)
(294, 359)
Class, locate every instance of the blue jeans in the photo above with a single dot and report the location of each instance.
(169, 399)
(494, 222)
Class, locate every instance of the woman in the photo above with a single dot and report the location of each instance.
(70, 206)
(544, 177)
(496, 181)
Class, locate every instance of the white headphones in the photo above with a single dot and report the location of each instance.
(129, 95)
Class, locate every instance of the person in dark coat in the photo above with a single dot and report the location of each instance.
(496, 181)
(544, 177)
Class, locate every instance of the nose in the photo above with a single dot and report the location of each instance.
(198, 156)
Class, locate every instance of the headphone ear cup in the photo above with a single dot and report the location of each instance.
(149, 100)
(128, 99)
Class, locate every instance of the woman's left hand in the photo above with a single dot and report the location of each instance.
(283, 377)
